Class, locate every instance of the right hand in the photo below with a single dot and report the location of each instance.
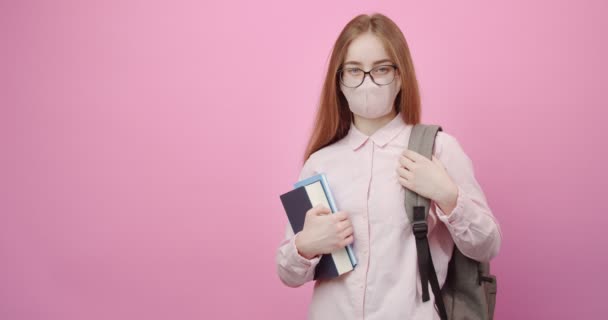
(324, 232)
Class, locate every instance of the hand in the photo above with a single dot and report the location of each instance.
(324, 232)
(427, 177)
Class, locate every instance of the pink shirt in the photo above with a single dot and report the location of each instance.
(361, 172)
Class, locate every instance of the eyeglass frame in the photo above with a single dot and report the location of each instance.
(339, 72)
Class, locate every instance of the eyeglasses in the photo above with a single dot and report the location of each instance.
(354, 77)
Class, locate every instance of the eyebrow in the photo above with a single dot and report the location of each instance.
(375, 63)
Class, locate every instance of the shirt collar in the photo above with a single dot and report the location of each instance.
(380, 137)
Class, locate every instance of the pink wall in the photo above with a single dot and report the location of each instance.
(144, 146)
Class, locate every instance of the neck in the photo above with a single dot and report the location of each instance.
(369, 126)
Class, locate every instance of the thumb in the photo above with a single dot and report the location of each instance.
(320, 209)
(438, 162)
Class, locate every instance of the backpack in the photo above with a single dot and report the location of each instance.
(469, 291)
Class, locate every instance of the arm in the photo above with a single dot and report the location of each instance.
(473, 227)
(294, 269)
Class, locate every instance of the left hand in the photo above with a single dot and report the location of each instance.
(426, 177)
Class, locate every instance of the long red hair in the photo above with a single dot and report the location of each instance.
(333, 115)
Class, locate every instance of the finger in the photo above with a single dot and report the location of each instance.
(348, 222)
(406, 162)
(348, 240)
(346, 232)
(340, 216)
(405, 183)
(343, 225)
(404, 173)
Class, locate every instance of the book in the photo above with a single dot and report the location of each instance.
(306, 194)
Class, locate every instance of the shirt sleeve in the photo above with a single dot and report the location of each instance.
(293, 269)
(471, 223)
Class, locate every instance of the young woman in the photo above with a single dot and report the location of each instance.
(369, 104)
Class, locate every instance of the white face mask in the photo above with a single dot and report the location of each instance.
(370, 100)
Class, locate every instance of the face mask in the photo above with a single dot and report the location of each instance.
(370, 100)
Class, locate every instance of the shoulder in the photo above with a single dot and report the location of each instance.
(334, 151)
(320, 159)
(445, 140)
(449, 150)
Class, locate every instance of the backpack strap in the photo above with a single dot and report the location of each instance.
(422, 140)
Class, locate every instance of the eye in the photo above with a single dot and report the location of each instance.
(383, 69)
(353, 71)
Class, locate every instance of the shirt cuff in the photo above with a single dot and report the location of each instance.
(301, 259)
(457, 218)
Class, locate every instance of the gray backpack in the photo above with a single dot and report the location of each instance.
(469, 291)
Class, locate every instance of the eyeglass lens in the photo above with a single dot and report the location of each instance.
(381, 75)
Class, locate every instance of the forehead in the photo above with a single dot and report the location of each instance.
(366, 49)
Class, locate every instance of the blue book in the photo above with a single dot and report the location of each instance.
(306, 194)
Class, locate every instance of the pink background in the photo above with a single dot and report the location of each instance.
(145, 144)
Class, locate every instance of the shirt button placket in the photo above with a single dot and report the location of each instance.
(366, 247)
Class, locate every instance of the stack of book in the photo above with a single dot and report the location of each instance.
(306, 194)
